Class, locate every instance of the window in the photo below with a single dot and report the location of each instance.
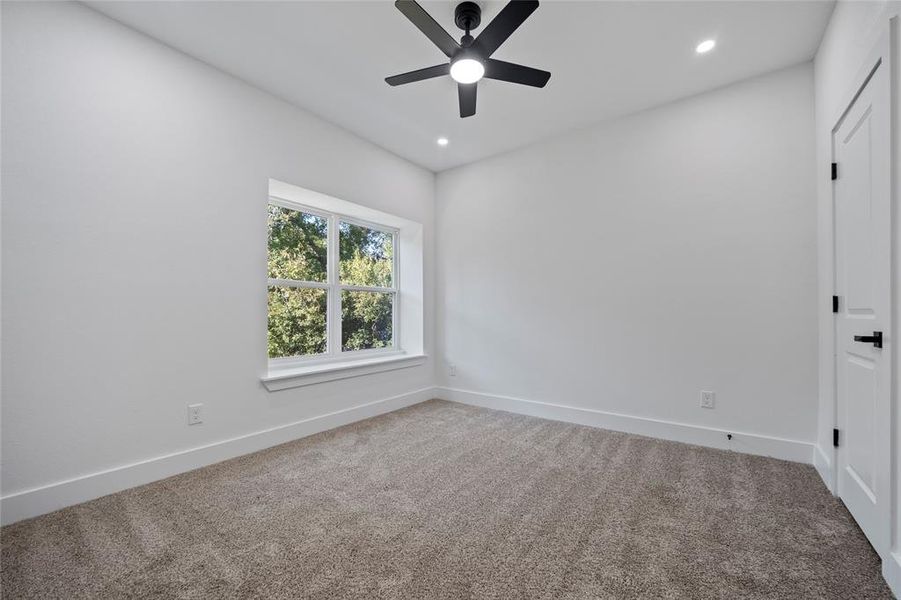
(345, 283)
(333, 290)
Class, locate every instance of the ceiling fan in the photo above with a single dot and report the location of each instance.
(470, 60)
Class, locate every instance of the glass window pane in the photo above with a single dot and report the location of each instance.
(366, 320)
(367, 256)
(298, 245)
(297, 321)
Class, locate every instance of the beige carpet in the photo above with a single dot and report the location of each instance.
(448, 501)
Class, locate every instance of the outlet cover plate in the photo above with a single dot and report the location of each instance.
(195, 414)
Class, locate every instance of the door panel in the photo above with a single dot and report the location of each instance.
(861, 147)
(856, 215)
(860, 422)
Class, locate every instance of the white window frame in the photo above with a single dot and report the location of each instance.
(334, 289)
(408, 285)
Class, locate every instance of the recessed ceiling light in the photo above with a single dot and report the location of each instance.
(705, 46)
(442, 141)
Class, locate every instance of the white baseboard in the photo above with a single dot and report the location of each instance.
(37, 501)
(749, 443)
(891, 571)
(823, 464)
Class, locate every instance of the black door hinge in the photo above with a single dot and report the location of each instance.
(835, 304)
(834, 171)
(835, 437)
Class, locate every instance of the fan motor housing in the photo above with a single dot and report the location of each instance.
(467, 16)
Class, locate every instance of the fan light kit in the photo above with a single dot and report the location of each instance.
(470, 59)
(467, 70)
(705, 46)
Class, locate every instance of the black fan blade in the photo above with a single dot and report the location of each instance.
(419, 75)
(503, 26)
(426, 24)
(504, 71)
(467, 93)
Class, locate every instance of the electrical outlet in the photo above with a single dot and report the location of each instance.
(452, 370)
(708, 399)
(195, 414)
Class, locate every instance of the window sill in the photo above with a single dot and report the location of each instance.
(298, 376)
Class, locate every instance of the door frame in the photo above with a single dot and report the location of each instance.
(879, 56)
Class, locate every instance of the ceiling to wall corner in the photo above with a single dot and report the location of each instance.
(607, 59)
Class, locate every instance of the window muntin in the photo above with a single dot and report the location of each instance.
(332, 285)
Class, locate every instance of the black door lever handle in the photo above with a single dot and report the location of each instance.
(875, 339)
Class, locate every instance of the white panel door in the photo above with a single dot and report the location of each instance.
(861, 147)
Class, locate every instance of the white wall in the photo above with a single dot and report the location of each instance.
(627, 267)
(134, 190)
(853, 31)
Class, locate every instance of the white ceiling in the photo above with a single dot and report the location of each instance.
(606, 58)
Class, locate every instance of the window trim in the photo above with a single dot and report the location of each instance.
(334, 352)
(310, 374)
